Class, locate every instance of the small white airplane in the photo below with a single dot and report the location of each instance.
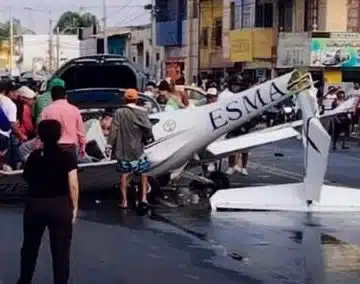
(181, 134)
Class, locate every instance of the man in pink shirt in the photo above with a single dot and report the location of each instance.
(73, 134)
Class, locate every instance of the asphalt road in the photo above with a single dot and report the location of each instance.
(193, 246)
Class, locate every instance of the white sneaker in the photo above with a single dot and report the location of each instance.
(6, 168)
(244, 172)
(230, 171)
(238, 169)
(211, 168)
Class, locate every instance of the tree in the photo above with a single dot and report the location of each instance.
(69, 22)
(5, 30)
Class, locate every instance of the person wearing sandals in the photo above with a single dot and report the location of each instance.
(130, 130)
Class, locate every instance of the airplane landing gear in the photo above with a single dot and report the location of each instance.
(216, 180)
(220, 180)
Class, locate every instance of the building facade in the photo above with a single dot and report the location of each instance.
(177, 32)
(141, 51)
(324, 38)
(252, 36)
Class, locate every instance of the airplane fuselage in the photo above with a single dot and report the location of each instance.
(180, 134)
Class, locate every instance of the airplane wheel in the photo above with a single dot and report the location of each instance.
(196, 185)
(220, 179)
(155, 190)
(163, 180)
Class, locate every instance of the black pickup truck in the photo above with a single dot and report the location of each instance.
(99, 81)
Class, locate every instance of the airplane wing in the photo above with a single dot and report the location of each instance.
(269, 135)
(251, 140)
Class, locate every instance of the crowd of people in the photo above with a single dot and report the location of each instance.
(343, 124)
(46, 135)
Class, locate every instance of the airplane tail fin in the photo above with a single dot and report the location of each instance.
(316, 146)
(316, 156)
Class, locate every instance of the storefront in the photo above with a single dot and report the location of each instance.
(175, 66)
(338, 54)
(175, 71)
(254, 49)
(293, 51)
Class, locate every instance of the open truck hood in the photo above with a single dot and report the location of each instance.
(101, 71)
(107, 98)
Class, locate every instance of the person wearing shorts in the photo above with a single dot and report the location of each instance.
(130, 130)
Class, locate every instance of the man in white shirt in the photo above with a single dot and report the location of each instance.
(9, 110)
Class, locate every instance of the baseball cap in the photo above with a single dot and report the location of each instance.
(212, 92)
(26, 92)
(131, 94)
(56, 82)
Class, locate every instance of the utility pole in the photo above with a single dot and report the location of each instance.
(57, 47)
(11, 41)
(105, 27)
(50, 42)
(153, 11)
(190, 42)
(153, 38)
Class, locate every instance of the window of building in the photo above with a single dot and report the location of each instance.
(195, 8)
(204, 39)
(218, 32)
(311, 20)
(353, 16)
(264, 14)
(246, 15)
(285, 12)
(134, 59)
(147, 59)
(232, 16)
(157, 56)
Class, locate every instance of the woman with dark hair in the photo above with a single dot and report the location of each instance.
(52, 203)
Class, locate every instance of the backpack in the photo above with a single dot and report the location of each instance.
(5, 124)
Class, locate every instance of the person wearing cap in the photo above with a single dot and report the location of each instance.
(150, 90)
(73, 131)
(212, 95)
(24, 101)
(130, 131)
(45, 99)
(27, 97)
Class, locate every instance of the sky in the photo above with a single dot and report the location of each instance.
(34, 14)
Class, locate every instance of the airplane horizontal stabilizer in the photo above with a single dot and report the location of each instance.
(286, 197)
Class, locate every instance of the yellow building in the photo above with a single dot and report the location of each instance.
(254, 49)
(4, 55)
(211, 36)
